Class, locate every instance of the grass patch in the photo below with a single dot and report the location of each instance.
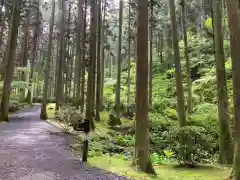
(123, 167)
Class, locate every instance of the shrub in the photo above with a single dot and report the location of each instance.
(95, 148)
(122, 107)
(159, 127)
(124, 140)
(197, 148)
(202, 137)
(129, 111)
(170, 73)
(113, 121)
(161, 105)
(70, 116)
(171, 113)
(108, 101)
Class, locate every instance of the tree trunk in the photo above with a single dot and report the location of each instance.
(129, 52)
(234, 29)
(142, 155)
(71, 71)
(150, 54)
(91, 65)
(178, 76)
(99, 72)
(225, 142)
(59, 94)
(24, 54)
(68, 59)
(57, 63)
(102, 52)
(189, 81)
(24, 46)
(119, 61)
(83, 61)
(78, 51)
(9, 59)
(34, 55)
(43, 114)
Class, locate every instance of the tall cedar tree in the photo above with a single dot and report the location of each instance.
(225, 143)
(9, 59)
(178, 77)
(234, 29)
(119, 61)
(142, 154)
(43, 114)
(91, 65)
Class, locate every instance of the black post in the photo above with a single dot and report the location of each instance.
(85, 127)
(85, 148)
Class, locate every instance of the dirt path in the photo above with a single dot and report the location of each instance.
(29, 152)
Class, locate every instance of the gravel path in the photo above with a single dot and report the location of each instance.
(29, 152)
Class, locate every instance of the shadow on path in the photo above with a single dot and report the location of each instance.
(29, 152)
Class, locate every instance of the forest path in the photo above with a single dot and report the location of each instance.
(28, 151)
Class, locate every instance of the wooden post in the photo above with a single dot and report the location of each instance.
(85, 148)
(85, 127)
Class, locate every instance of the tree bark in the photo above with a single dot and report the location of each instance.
(83, 61)
(43, 114)
(59, 90)
(119, 61)
(129, 52)
(91, 66)
(150, 54)
(67, 56)
(225, 143)
(142, 155)
(189, 80)
(9, 59)
(103, 52)
(234, 29)
(178, 77)
(34, 55)
(99, 72)
(78, 51)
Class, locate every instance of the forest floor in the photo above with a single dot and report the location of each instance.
(122, 166)
(32, 149)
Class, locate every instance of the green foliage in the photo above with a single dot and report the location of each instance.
(171, 113)
(113, 120)
(70, 116)
(206, 88)
(124, 140)
(170, 73)
(157, 159)
(208, 23)
(159, 105)
(95, 148)
(202, 131)
(197, 144)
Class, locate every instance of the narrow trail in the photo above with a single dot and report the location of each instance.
(29, 152)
